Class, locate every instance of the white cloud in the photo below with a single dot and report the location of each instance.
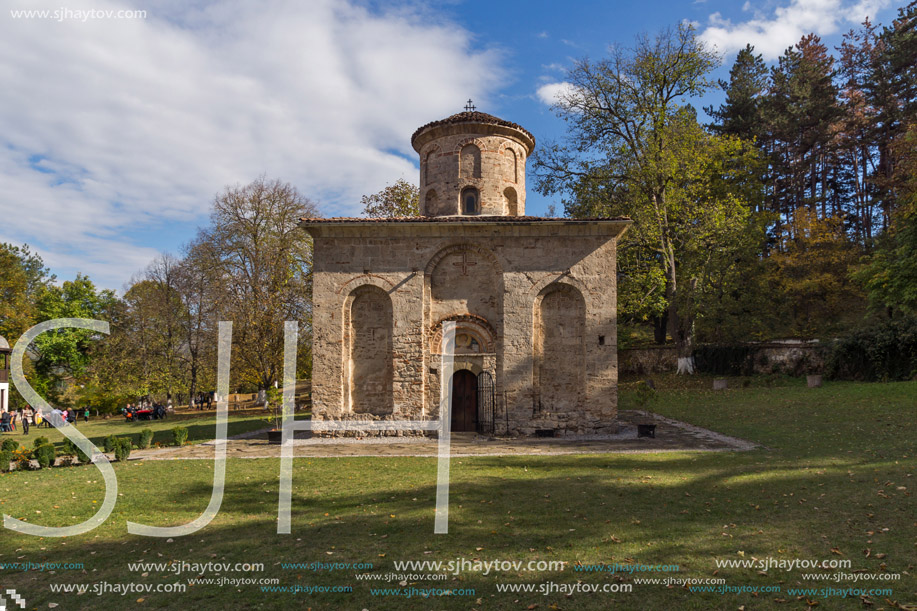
(772, 34)
(551, 93)
(554, 67)
(114, 131)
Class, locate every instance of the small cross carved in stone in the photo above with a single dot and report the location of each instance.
(465, 263)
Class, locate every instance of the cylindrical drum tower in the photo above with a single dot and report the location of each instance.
(472, 163)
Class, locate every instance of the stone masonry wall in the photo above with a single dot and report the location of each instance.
(767, 358)
(538, 299)
(492, 163)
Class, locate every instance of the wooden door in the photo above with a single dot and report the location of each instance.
(464, 401)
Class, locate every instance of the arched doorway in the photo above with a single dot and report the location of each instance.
(464, 401)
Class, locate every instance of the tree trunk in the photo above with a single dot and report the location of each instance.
(193, 385)
(660, 328)
(680, 328)
(684, 349)
(684, 344)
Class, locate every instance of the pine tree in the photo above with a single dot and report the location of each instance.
(740, 114)
(896, 69)
(857, 136)
(800, 109)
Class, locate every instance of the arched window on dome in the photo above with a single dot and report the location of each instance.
(471, 201)
(510, 166)
(510, 201)
(431, 203)
(470, 160)
(429, 175)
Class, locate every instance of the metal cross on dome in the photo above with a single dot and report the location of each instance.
(469, 107)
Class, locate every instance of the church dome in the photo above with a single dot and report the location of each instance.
(471, 117)
(472, 164)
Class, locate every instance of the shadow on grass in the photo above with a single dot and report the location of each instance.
(827, 490)
(687, 510)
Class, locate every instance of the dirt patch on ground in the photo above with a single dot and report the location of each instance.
(671, 436)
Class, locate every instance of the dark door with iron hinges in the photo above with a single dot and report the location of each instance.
(464, 401)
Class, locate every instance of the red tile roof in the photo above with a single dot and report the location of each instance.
(472, 117)
(461, 219)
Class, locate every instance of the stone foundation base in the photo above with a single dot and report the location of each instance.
(361, 434)
(568, 431)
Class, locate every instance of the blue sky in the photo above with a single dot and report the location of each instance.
(118, 128)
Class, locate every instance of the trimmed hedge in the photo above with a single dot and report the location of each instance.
(68, 448)
(146, 439)
(123, 449)
(6, 457)
(179, 435)
(81, 455)
(45, 455)
(9, 445)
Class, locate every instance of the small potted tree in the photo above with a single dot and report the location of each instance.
(645, 395)
(274, 404)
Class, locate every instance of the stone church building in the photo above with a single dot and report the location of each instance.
(533, 299)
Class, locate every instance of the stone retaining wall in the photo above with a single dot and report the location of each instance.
(766, 358)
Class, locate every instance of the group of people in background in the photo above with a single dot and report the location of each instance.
(146, 410)
(27, 417)
(204, 400)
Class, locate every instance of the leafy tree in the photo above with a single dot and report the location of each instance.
(143, 354)
(112, 378)
(200, 306)
(398, 199)
(890, 275)
(885, 67)
(64, 354)
(641, 285)
(810, 274)
(635, 148)
(156, 326)
(259, 268)
(23, 277)
(736, 298)
(880, 98)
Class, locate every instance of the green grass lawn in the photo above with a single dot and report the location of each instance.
(201, 427)
(834, 479)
